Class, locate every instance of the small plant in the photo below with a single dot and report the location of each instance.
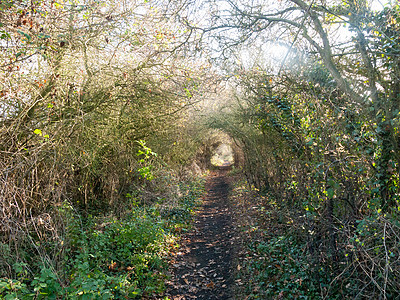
(146, 154)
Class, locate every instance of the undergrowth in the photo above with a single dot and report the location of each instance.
(107, 257)
(282, 256)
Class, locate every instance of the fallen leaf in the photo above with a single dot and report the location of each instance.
(211, 285)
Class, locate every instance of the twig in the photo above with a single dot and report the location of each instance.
(386, 273)
(295, 38)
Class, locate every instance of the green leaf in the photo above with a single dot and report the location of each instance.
(330, 193)
(28, 37)
(44, 36)
(58, 5)
(38, 132)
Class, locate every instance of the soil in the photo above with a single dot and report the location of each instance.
(203, 266)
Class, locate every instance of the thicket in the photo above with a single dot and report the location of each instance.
(104, 258)
(320, 136)
(96, 128)
(93, 180)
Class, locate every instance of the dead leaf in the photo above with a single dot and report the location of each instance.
(211, 285)
(113, 266)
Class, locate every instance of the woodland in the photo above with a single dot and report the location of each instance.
(111, 113)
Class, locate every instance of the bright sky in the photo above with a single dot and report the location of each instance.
(276, 53)
(379, 4)
(265, 52)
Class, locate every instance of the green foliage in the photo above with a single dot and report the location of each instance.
(14, 289)
(46, 285)
(110, 258)
(146, 154)
(281, 268)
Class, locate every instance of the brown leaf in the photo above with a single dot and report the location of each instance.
(211, 285)
(113, 266)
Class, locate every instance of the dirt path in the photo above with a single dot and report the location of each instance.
(203, 266)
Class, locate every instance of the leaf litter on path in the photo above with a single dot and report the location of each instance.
(203, 266)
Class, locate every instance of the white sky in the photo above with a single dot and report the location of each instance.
(379, 4)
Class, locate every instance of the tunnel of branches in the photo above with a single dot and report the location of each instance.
(114, 107)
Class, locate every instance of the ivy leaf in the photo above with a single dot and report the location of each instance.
(330, 193)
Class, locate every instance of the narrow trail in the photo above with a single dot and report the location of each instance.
(202, 268)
